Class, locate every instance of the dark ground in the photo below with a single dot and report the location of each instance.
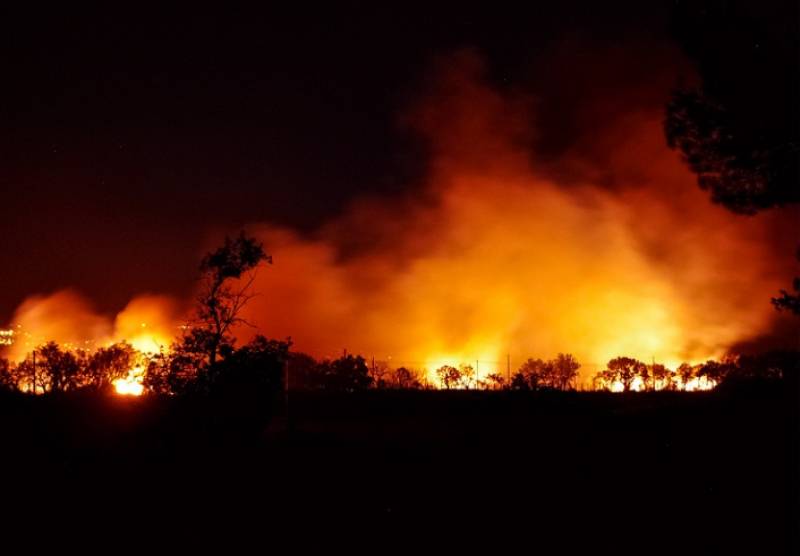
(546, 473)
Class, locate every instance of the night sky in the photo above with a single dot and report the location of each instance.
(130, 139)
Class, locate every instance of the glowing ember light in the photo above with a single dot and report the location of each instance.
(6, 337)
(148, 343)
(131, 385)
(699, 383)
(693, 385)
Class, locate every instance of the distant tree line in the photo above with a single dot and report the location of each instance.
(262, 365)
(54, 369)
(51, 368)
(626, 374)
(205, 361)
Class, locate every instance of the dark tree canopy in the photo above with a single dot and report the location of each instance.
(789, 301)
(58, 369)
(739, 131)
(624, 370)
(346, 374)
(7, 379)
(108, 364)
(221, 298)
(559, 373)
(234, 258)
(449, 376)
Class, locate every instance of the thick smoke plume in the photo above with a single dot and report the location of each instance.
(148, 322)
(492, 256)
(607, 249)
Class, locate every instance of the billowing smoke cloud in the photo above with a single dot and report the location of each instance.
(493, 256)
(64, 316)
(148, 322)
(605, 248)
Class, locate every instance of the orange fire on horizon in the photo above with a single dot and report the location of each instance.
(148, 323)
(497, 256)
(131, 385)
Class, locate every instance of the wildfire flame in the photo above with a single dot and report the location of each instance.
(131, 385)
(496, 256)
(148, 323)
(692, 385)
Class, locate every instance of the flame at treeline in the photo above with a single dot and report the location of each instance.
(148, 323)
(496, 256)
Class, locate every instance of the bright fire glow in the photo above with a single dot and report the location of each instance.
(148, 323)
(699, 383)
(494, 255)
(606, 249)
(131, 385)
(693, 385)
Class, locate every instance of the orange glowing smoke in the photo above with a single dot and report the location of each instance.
(494, 256)
(149, 323)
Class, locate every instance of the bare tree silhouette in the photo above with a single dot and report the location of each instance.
(227, 276)
(449, 376)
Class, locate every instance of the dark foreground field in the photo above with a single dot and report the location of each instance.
(547, 473)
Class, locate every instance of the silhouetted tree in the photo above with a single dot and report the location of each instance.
(181, 370)
(565, 371)
(603, 380)
(304, 372)
(495, 381)
(788, 301)
(22, 373)
(405, 378)
(715, 371)
(770, 366)
(467, 376)
(559, 373)
(227, 275)
(378, 370)
(624, 370)
(738, 131)
(519, 382)
(256, 366)
(660, 377)
(535, 372)
(7, 379)
(348, 373)
(449, 376)
(107, 364)
(57, 370)
(686, 372)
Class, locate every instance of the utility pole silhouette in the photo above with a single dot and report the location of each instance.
(508, 367)
(34, 372)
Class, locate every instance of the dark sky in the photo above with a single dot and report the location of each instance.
(129, 136)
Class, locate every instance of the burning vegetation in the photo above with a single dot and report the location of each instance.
(606, 253)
